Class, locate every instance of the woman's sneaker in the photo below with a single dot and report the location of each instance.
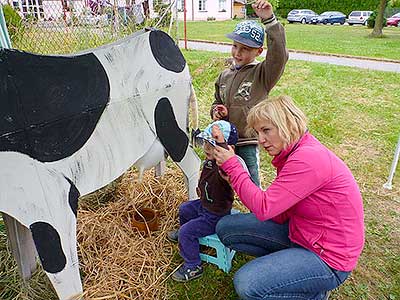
(173, 235)
(184, 274)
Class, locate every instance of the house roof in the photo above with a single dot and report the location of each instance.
(240, 1)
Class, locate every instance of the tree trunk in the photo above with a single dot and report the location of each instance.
(377, 32)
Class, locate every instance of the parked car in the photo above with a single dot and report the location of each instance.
(359, 17)
(393, 20)
(301, 15)
(330, 17)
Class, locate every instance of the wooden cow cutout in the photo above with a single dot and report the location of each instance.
(71, 124)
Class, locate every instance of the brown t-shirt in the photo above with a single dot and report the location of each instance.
(215, 193)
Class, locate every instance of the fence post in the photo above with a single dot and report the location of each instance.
(5, 41)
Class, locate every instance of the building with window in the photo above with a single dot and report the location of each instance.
(197, 10)
(62, 9)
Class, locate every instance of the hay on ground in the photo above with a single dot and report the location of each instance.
(119, 262)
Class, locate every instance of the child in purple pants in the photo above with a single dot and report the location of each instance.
(198, 218)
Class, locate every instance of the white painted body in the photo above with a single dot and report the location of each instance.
(125, 135)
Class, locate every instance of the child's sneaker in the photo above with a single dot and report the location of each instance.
(327, 295)
(173, 235)
(184, 274)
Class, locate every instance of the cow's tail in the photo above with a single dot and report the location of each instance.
(194, 114)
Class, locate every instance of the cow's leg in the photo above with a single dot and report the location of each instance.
(44, 201)
(176, 143)
(22, 246)
(56, 246)
(190, 166)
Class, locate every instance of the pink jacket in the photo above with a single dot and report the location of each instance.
(316, 192)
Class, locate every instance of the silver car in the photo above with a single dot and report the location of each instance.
(359, 17)
(301, 15)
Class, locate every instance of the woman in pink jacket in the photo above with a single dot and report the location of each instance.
(307, 228)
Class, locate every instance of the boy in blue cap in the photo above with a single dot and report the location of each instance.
(248, 82)
(198, 218)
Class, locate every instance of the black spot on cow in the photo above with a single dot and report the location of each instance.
(73, 197)
(166, 52)
(48, 246)
(174, 140)
(49, 105)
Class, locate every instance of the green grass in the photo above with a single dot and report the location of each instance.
(356, 114)
(347, 40)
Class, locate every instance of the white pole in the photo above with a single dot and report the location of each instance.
(388, 184)
(21, 9)
(173, 6)
(176, 23)
(37, 10)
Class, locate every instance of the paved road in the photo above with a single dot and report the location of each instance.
(334, 60)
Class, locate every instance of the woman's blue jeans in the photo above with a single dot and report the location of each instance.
(282, 269)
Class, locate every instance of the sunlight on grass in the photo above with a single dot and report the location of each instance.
(348, 40)
(356, 115)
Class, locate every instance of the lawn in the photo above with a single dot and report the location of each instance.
(354, 113)
(347, 40)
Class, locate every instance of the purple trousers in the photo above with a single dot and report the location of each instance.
(195, 222)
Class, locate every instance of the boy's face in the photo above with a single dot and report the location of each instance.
(243, 54)
(208, 150)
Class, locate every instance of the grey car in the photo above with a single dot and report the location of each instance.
(301, 15)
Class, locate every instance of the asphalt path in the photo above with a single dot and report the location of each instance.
(327, 59)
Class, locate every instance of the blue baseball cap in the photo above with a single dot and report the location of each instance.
(228, 130)
(248, 33)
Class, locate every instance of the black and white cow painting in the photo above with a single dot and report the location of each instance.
(71, 124)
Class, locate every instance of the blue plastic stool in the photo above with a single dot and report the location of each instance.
(224, 255)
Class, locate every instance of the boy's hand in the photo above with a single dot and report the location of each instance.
(220, 112)
(263, 9)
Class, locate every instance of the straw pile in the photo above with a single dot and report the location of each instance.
(118, 261)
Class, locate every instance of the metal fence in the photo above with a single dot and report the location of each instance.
(67, 26)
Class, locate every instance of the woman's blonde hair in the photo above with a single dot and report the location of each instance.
(284, 114)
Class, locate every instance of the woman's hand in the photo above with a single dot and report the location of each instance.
(221, 155)
(263, 9)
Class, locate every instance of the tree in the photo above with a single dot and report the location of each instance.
(377, 32)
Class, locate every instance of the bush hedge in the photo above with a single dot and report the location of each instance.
(319, 6)
(372, 18)
(13, 21)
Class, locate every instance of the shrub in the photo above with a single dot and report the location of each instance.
(210, 18)
(372, 18)
(13, 21)
(163, 11)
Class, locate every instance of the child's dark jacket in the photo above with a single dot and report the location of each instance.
(216, 194)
